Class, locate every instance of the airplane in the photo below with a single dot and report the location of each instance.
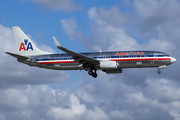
(109, 62)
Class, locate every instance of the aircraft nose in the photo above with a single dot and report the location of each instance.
(173, 60)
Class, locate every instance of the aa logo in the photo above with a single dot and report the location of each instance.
(26, 45)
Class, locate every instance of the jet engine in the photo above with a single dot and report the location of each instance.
(108, 65)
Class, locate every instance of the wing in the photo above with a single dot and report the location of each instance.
(86, 61)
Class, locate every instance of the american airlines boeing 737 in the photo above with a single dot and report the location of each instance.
(109, 62)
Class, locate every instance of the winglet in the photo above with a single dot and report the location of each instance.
(56, 42)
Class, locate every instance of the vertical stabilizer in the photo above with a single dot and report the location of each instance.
(25, 46)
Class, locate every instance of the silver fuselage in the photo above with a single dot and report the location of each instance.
(126, 59)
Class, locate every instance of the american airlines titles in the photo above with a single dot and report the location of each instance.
(130, 53)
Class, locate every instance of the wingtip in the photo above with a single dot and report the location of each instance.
(8, 53)
(15, 27)
(56, 41)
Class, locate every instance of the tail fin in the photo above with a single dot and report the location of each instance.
(25, 46)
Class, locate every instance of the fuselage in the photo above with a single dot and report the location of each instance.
(125, 59)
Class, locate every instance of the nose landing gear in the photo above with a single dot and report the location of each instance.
(158, 71)
(93, 73)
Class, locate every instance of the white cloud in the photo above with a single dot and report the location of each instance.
(175, 112)
(159, 45)
(76, 107)
(146, 8)
(123, 101)
(69, 26)
(2, 117)
(92, 14)
(108, 36)
(77, 111)
(28, 102)
(115, 114)
(113, 99)
(158, 19)
(13, 98)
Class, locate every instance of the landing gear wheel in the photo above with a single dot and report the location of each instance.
(158, 71)
(92, 73)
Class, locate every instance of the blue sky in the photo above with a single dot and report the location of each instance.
(82, 26)
(36, 19)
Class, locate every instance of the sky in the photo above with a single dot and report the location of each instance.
(28, 93)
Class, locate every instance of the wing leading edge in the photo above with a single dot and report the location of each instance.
(76, 56)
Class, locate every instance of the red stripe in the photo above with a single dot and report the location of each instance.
(142, 59)
(57, 62)
(164, 58)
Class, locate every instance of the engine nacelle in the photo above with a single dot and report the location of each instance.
(113, 71)
(108, 65)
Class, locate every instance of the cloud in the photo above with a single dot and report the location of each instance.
(109, 37)
(28, 102)
(113, 99)
(77, 110)
(122, 101)
(70, 27)
(42, 102)
(146, 8)
(157, 17)
(13, 98)
(58, 5)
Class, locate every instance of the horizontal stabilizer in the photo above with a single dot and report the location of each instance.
(17, 56)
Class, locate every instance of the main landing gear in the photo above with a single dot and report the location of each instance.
(92, 73)
(158, 71)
